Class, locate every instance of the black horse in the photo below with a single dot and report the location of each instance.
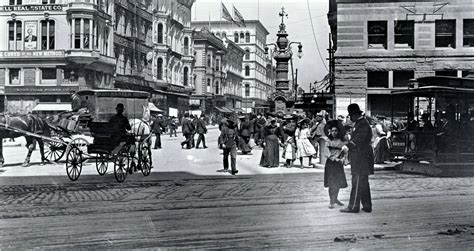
(25, 123)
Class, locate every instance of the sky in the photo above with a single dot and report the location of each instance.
(310, 67)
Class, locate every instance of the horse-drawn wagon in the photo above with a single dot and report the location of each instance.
(128, 153)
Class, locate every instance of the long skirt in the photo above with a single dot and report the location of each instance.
(334, 175)
(244, 144)
(271, 152)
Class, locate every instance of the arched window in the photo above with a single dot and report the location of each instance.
(217, 64)
(247, 37)
(247, 54)
(242, 36)
(224, 35)
(185, 76)
(236, 37)
(218, 34)
(217, 87)
(247, 70)
(186, 46)
(208, 87)
(159, 69)
(160, 33)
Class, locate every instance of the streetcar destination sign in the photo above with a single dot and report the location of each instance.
(51, 7)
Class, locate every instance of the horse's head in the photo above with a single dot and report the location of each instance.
(146, 113)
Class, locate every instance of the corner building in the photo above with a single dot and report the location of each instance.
(173, 56)
(257, 70)
(381, 45)
(218, 71)
(51, 48)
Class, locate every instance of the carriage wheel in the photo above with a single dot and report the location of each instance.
(74, 163)
(55, 150)
(79, 143)
(121, 165)
(145, 160)
(101, 163)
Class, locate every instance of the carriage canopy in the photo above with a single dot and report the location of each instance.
(101, 103)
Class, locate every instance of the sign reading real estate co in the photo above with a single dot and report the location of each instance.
(51, 7)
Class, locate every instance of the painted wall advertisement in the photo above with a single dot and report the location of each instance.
(31, 35)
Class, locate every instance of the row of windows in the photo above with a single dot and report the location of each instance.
(20, 2)
(238, 38)
(160, 39)
(160, 70)
(24, 35)
(380, 79)
(48, 76)
(445, 33)
(18, 41)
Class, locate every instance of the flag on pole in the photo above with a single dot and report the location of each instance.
(226, 14)
(239, 19)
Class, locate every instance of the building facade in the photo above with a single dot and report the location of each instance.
(381, 45)
(217, 70)
(133, 23)
(258, 83)
(173, 56)
(51, 48)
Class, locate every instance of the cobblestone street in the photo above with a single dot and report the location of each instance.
(263, 211)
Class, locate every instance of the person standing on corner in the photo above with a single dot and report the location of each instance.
(187, 128)
(361, 157)
(172, 126)
(158, 127)
(201, 130)
(228, 141)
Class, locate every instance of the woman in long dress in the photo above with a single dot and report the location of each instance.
(334, 176)
(304, 148)
(271, 151)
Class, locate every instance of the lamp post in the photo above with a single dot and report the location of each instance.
(283, 54)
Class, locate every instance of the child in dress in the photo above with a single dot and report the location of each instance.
(289, 152)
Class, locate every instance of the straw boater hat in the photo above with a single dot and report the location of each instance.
(304, 120)
(288, 116)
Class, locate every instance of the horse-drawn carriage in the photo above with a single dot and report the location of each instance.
(439, 138)
(128, 153)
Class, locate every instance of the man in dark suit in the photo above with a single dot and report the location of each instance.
(228, 142)
(158, 127)
(201, 130)
(188, 129)
(362, 162)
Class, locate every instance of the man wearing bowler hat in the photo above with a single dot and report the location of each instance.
(362, 162)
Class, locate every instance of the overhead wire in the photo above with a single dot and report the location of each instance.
(314, 36)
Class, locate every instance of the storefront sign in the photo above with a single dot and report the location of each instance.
(29, 54)
(123, 41)
(175, 88)
(53, 7)
(39, 89)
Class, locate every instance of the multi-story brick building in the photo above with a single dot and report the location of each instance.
(51, 48)
(173, 55)
(258, 83)
(133, 23)
(218, 73)
(380, 45)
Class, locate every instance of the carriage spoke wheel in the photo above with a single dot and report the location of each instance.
(74, 163)
(101, 163)
(145, 160)
(121, 165)
(79, 143)
(54, 151)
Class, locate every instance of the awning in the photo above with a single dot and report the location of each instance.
(219, 109)
(52, 107)
(153, 107)
(226, 109)
(239, 110)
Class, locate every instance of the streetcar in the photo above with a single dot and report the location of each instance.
(439, 137)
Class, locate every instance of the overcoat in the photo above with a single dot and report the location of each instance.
(187, 126)
(361, 153)
(201, 126)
